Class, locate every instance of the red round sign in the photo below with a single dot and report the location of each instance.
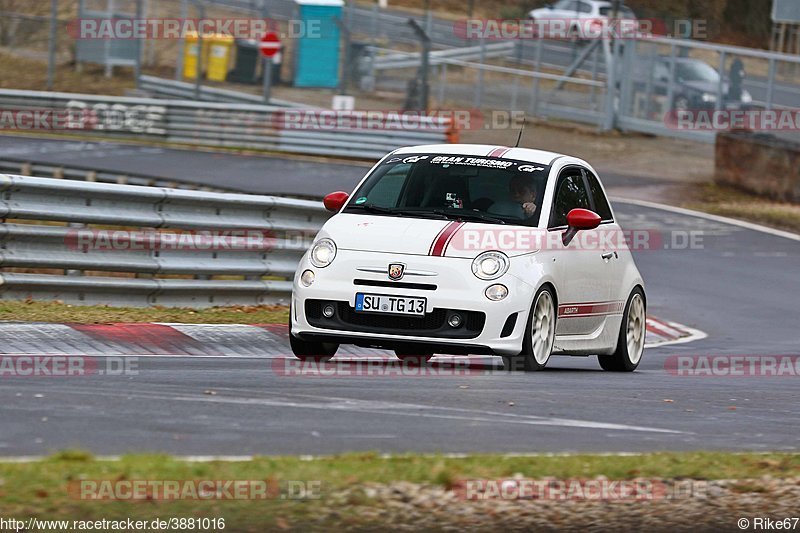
(270, 44)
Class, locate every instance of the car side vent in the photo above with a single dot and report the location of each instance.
(508, 327)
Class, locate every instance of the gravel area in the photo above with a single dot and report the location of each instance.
(694, 505)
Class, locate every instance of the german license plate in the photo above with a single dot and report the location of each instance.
(395, 305)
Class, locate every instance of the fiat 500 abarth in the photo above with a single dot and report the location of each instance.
(472, 249)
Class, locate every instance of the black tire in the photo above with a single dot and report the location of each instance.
(310, 350)
(621, 360)
(527, 359)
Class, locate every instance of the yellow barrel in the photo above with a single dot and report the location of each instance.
(190, 54)
(219, 57)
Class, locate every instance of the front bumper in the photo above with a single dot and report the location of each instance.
(449, 287)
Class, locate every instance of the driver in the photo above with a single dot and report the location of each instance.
(523, 191)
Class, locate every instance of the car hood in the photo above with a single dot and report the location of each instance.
(420, 236)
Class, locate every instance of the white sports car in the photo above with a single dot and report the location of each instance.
(472, 249)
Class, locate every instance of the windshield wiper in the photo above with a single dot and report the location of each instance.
(474, 215)
(424, 213)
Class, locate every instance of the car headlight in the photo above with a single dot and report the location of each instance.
(709, 97)
(746, 97)
(490, 265)
(322, 253)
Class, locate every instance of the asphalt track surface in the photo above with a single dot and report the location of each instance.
(740, 287)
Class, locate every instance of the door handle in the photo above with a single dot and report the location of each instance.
(606, 256)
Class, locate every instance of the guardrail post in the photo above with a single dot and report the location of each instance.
(479, 86)
(347, 59)
(199, 72)
(426, 52)
(137, 69)
(51, 47)
(534, 104)
(670, 85)
(109, 68)
(720, 95)
(770, 83)
(181, 42)
(442, 83)
(610, 50)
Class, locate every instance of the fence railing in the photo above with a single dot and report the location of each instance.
(468, 53)
(182, 90)
(249, 126)
(140, 246)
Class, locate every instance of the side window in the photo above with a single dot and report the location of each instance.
(570, 194)
(601, 205)
(564, 4)
(584, 7)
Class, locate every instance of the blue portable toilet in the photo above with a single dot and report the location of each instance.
(317, 49)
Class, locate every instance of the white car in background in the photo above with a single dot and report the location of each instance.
(582, 18)
(472, 249)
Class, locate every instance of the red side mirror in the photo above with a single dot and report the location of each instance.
(335, 200)
(583, 219)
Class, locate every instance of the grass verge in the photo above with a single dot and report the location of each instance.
(730, 202)
(40, 488)
(30, 311)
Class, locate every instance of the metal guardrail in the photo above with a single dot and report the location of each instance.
(50, 224)
(26, 167)
(232, 125)
(468, 53)
(181, 90)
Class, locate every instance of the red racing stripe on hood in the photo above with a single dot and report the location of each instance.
(444, 237)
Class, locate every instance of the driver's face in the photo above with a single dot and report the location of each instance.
(521, 193)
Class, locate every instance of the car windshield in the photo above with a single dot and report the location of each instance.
(695, 71)
(457, 187)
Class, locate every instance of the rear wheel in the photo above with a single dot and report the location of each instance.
(630, 344)
(540, 334)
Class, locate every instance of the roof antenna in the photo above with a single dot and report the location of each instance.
(519, 137)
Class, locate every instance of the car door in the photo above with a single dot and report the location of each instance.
(612, 242)
(582, 273)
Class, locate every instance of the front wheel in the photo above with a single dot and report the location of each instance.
(630, 344)
(311, 350)
(540, 334)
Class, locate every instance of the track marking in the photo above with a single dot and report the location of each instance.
(385, 409)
